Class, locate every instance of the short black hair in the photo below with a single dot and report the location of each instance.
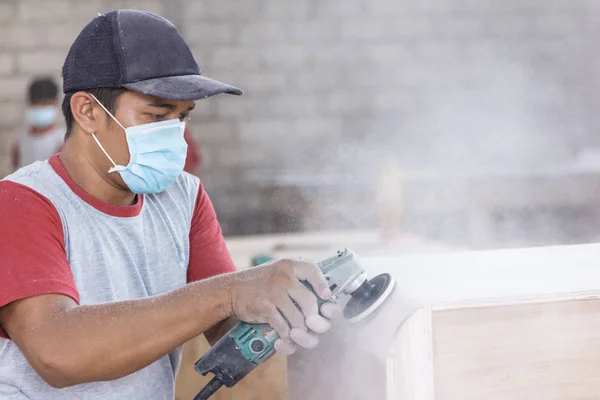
(107, 96)
(42, 89)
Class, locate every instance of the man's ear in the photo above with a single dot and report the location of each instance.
(86, 112)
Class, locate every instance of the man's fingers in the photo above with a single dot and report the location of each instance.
(291, 313)
(331, 311)
(284, 348)
(279, 323)
(318, 324)
(305, 299)
(306, 271)
(304, 339)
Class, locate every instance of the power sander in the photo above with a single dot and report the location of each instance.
(246, 346)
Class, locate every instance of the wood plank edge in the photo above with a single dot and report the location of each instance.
(409, 366)
(518, 300)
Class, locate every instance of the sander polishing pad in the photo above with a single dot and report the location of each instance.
(369, 297)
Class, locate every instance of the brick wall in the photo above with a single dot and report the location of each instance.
(334, 85)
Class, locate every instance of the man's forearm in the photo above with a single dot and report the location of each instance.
(109, 341)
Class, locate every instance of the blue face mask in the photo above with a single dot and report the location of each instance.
(157, 155)
(41, 116)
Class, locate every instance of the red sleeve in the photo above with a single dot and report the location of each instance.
(209, 255)
(33, 260)
(193, 158)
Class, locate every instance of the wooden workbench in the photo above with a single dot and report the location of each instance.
(509, 324)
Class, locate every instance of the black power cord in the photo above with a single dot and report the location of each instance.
(210, 389)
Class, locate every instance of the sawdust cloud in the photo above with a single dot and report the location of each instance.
(492, 112)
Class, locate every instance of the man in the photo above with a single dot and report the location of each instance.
(110, 257)
(43, 137)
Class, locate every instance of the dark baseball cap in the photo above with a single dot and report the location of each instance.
(140, 51)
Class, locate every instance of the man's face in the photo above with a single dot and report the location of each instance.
(132, 109)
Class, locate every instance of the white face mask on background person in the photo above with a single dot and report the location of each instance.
(157, 154)
(41, 116)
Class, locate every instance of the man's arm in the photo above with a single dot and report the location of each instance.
(209, 255)
(69, 344)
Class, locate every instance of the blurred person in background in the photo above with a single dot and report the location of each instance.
(43, 136)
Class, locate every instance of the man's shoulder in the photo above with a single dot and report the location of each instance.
(189, 178)
(186, 184)
(29, 175)
(38, 177)
(20, 198)
(181, 195)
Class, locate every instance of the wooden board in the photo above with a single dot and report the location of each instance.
(409, 372)
(352, 360)
(542, 350)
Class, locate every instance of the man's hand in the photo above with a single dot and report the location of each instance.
(273, 293)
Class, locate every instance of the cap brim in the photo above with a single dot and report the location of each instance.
(183, 87)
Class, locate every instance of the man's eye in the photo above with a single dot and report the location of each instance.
(157, 117)
(185, 117)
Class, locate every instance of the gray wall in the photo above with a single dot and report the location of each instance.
(335, 85)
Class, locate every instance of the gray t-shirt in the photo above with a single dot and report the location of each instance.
(56, 238)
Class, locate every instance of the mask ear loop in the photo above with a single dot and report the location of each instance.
(108, 112)
(115, 166)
